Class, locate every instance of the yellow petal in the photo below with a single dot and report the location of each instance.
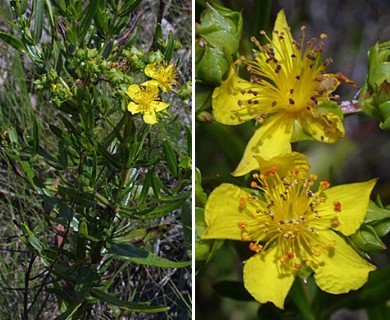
(263, 279)
(150, 70)
(270, 140)
(153, 83)
(283, 163)
(226, 97)
(352, 201)
(281, 25)
(158, 105)
(133, 91)
(133, 107)
(322, 127)
(342, 269)
(150, 117)
(223, 213)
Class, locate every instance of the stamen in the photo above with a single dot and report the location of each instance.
(337, 206)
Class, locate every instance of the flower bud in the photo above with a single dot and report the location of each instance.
(375, 95)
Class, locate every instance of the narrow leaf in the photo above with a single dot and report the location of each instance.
(130, 252)
(130, 306)
(35, 136)
(38, 24)
(13, 41)
(170, 157)
(170, 46)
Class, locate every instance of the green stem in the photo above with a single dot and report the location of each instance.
(301, 300)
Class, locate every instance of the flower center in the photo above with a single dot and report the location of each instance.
(285, 76)
(146, 96)
(287, 218)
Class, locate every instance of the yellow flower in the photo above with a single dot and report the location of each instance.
(162, 75)
(291, 229)
(146, 101)
(288, 87)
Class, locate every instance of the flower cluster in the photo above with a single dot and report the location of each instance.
(293, 224)
(145, 97)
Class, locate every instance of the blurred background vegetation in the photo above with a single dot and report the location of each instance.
(20, 104)
(352, 26)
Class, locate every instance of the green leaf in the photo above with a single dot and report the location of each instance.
(204, 249)
(189, 140)
(200, 195)
(221, 28)
(130, 252)
(69, 311)
(368, 240)
(170, 157)
(203, 97)
(169, 47)
(50, 13)
(172, 203)
(128, 7)
(77, 196)
(35, 136)
(38, 23)
(186, 220)
(86, 22)
(130, 306)
(375, 213)
(13, 41)
(146, 186)
(211, 65)
(31, 239)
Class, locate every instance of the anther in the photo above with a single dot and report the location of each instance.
(310, 57)
(337, 206)
(255, 247)
(242, 202)
(335, 223)
(241, 225)
(291, 101)
(325, 184)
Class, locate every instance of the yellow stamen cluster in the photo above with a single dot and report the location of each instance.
(286, 76)
(288, 217)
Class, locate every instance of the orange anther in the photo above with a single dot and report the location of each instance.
(255, 247)
(335, 223)
(337, 206)
(297, 265)
(242, 202)
(245, 236)
(253, 184)
(325, 184)
(242, 225)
